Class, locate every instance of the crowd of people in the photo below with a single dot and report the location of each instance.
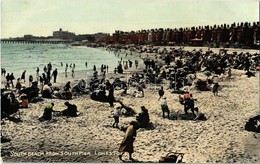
(175, 66)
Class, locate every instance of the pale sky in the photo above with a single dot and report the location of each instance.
(42, 17)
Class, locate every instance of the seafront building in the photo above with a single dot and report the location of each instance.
(234, 35)
(237, 35)
(63, 35)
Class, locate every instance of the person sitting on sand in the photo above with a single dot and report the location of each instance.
(24, 101)
(67, 86)
(199, 115)
(188, 102)
(47, 114)
(143, 117)
(47, 91)
(127, 143)
(67, 95)
(165, 107)
(116, 114)
(71, 110)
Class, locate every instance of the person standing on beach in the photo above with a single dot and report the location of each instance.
(45, 69)
(2, 71)
(30, 80)
(94, 68)
(45, 80)
(18, 85)
(161, 93)
(54, 74)
(72, 72)
(111, 97)
(49, 67)
(130, 63)
(37, 71)
(66, 69)
(127, 143)
(7, 81)
(229, 73)
(165, 107)
(86, 64)
(11, 78)
(23, 76)
(215, 89)
(101, 68)
(49, 75)
(116, 114)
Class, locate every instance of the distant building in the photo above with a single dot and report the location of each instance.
(28, 37)
(101, 37)
(63, 35)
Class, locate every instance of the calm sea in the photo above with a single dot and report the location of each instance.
(18, 57)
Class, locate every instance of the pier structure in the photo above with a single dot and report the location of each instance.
(35, 41)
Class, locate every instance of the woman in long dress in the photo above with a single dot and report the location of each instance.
(127, 143)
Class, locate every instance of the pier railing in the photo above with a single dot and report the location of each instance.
(35, 41)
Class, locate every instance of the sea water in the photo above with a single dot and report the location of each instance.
(16, 58)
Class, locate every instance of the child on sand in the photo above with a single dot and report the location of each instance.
(165, 107)
(116, 114)
(215, 89)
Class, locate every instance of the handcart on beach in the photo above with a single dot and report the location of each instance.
(172, 157)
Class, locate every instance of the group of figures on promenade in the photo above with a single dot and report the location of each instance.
(177, 67)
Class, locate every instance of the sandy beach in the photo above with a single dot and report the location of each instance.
(91, 138)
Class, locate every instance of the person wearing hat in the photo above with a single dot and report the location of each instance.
(116, 114)
(165, 107)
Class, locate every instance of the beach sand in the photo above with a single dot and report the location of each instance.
(91, 138)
